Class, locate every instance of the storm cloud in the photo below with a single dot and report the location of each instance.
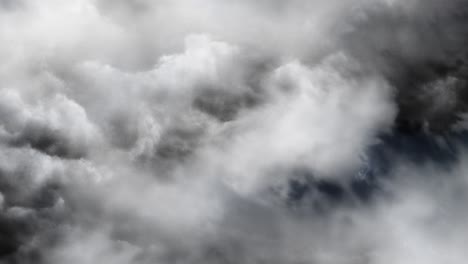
(235, 131)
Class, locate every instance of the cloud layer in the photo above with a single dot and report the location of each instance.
(206, 131)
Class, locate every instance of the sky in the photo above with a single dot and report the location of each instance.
(233, 131)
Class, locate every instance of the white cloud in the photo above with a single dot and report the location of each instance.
(168, 132)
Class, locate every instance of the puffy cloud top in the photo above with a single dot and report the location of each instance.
(203, 131)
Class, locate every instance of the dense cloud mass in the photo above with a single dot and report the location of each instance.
(234, 131)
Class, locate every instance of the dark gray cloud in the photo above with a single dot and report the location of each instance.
(206, 131)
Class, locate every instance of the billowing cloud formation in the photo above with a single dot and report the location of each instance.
(207, 131)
